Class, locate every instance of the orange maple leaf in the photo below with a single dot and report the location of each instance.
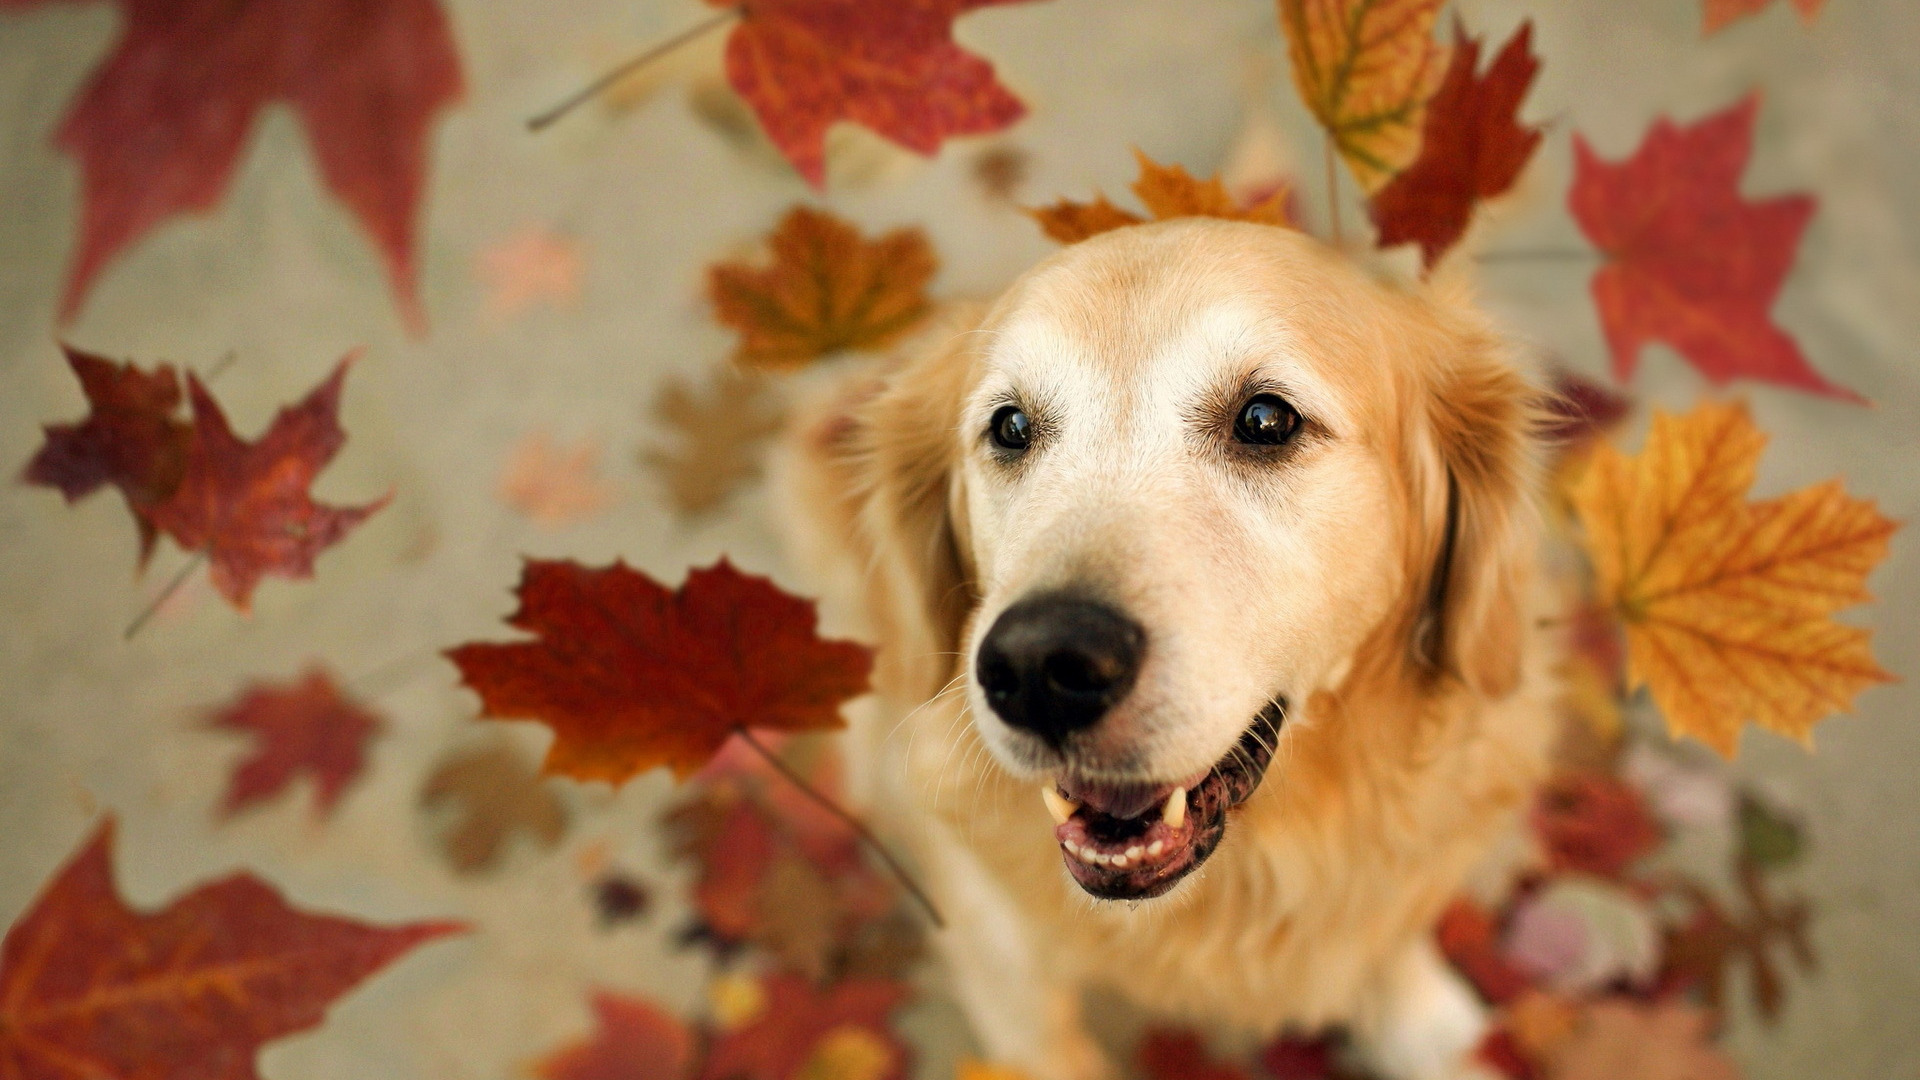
(1168, 191)
(630, 674)
(827, 290)
(635, 1040)
(1715, 15)
(1727, 602)
(1365, 69)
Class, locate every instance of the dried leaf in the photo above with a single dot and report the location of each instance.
(1469, 937)
(494, 793)
(1688, 261)
(132, 438)
(91, 989)
(308, 727)
(554, 485)
(1727, 602)
(634, 1039)
(533, 266)
(1167, 191)
(630, 674)
(1365, 69)
(717, 437)
(1472, 148)
(246, 504)
(893, 67)
(159, 128)
(1593, 823)
(827, 290)
(804, 1032)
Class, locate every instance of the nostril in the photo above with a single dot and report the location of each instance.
(997, 677)
(1075, 672)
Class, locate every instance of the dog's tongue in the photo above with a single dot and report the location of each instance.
(1117, 799)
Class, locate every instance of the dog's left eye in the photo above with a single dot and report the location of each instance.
(1266, 420)
(1010, 428)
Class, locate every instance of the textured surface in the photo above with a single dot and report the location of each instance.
(282, 275)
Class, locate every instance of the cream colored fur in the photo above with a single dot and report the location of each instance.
(1379, 579)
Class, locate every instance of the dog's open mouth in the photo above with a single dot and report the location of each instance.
(1135, 841)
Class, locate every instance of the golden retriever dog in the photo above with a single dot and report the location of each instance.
(1211, 662)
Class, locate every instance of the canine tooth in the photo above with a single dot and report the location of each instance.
(1135, 851)
(1058, 805)
(1156, 847)
(1175, 812)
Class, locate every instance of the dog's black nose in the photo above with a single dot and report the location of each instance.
(1055, 663)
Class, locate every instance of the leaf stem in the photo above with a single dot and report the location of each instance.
(859, 827)
(1538, 255)
(172, 586)
(594, 88)
(1333, 188)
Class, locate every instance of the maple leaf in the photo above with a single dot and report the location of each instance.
(90, 988)
(1593, 823)
(630, 674)
(1469, 936)
(533, 265)
(304, 727)
(1167, 1054)
(1688, 261)
(160, 125)
(496, 794)
(1581, 410)
(1716, 15)
(246, 504)
(1365, 69)
(826, 290)
(1625, 1040)
(805, 1031)
(132, 438)
(887, 65)
(1472, 147)
(1701, 951)
(718, 434)
(1726, 602)
(1167, 191)
(552, 485)
(634, 1040)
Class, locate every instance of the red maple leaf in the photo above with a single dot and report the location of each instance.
(1472, 147)
(91, 989)
(160, 125)
(1593, 823)
(1469, 937)
(246, 504)
(1690, 262)
(303, 727)
(630, 674)
(890, 65)
(1168, 1054)
(133, 439)
(801, 1022)
(635, 1040)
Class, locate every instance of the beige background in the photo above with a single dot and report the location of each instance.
(282, 276)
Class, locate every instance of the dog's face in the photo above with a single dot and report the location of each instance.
(1197, 468)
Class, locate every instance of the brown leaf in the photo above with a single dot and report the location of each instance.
(827, 290)
(1167, 191)
(804, 1032)
(494, 793)
(1624, 1040)
(717, 436)
(634, 1039)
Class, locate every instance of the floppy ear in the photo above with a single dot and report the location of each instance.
(912, 513)
(1477, 511)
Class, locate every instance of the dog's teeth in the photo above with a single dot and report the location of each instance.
(1136, 851)
(1120, 862)
(1175, 812)
(1058, 805)
(1156, 847)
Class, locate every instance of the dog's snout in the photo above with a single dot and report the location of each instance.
(1055, 663)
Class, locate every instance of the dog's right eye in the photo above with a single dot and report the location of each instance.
(1010, 428)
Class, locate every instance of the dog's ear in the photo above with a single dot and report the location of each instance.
(1477, 513)
(912, 513)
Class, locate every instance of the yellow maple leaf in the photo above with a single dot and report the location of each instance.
(1365, 69)
(970, 1069)
(827, 290)
(1167, 191)
(1727, 602)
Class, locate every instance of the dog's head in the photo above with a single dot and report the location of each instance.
(1180, 478)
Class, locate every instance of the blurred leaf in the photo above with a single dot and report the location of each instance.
(1167, 191)
(495, 793)
(1768, 839)
(716, 438)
